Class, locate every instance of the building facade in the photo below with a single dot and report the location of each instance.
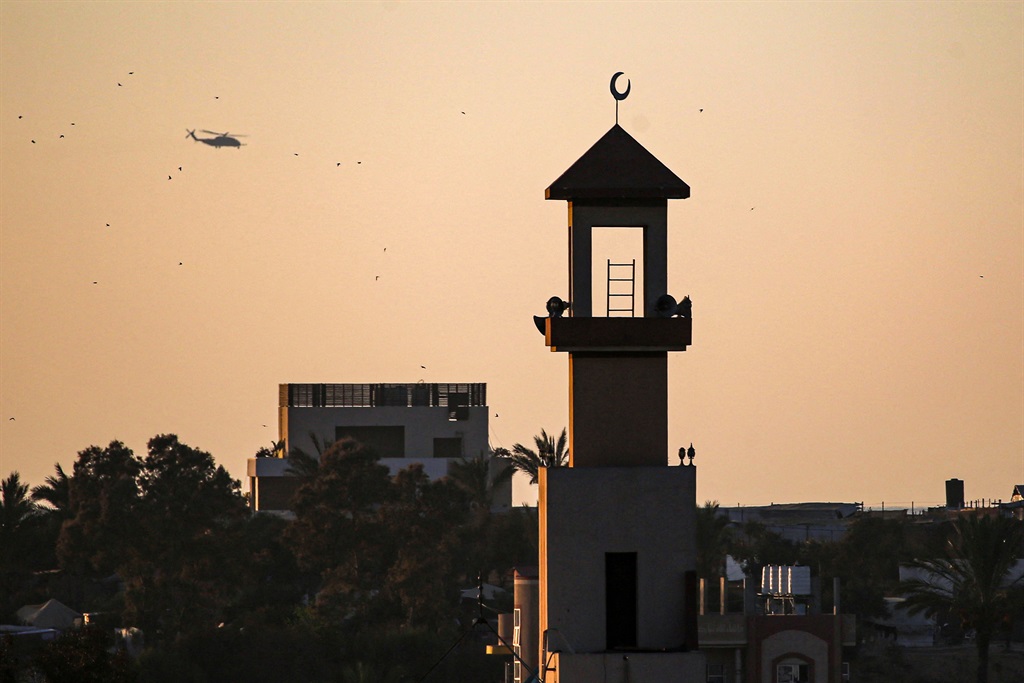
(432, 425)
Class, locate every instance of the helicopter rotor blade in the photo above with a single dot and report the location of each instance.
(211, 132)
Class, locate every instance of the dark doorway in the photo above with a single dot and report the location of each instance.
(620, 586)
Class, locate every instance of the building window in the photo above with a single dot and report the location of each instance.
(386, 442)
(517, 668)
(458, 406)
(448, 447)
(716, 673)
(792, 673)
(620, 594)
(845, 675)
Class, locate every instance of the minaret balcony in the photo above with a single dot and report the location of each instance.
(618, 335)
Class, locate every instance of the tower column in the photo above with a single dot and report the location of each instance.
(617, 526)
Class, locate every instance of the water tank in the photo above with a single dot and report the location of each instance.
(954, 493)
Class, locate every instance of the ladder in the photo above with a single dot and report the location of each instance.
(624, 293)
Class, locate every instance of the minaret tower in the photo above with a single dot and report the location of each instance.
(617, 536)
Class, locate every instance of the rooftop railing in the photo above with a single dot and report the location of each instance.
(376, 395)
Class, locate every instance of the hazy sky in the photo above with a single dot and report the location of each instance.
(853, 245)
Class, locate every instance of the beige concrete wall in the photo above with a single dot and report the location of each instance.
(618, 409)
(587, 512)
(422, 424)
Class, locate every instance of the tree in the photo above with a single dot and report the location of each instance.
(16, 511)
(866, 561)
(755, 546)
(181, 571)
(473, 476)
(84, 656)
(19, 522)
(337, 530)
(386, 550)
(550, 453)
(425, 523)
(713, 533)
(55, 492)
(974, 580)
(166, 525)
(103, 496)
(303, 464)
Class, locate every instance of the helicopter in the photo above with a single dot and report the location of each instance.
(222, 139)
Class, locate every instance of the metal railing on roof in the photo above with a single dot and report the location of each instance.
(376, 395)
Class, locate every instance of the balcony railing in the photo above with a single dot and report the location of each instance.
(376, 395)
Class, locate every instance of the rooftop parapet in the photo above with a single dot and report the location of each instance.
(377, 395)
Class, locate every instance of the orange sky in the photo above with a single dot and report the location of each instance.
(854, 243)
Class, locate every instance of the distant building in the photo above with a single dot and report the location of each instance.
(432, 425)
(799, 522)
(781, 634)
(1015, 508)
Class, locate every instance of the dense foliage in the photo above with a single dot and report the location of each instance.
(363, 584)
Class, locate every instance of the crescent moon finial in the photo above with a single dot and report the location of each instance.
(615, 93)
(619, 96)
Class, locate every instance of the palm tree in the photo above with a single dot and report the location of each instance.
(713, 534)
(974, 581)
(549, 453)
(55, 492)
(301, 463)
(16, 508)
(17, 514)
(473, 475)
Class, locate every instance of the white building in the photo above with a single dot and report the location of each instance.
(433, 425)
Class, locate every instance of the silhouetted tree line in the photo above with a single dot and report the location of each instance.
(363, 584)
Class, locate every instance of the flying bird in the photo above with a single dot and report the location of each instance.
(424, 367)
(118, 85)
(376, 277)
(168, 177)
(62, 135)
(33, 142)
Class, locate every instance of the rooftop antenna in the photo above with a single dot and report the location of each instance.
(618, 95)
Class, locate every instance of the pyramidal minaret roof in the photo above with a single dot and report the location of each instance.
(617, 167)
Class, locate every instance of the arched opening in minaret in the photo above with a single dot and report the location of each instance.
(617, 267)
